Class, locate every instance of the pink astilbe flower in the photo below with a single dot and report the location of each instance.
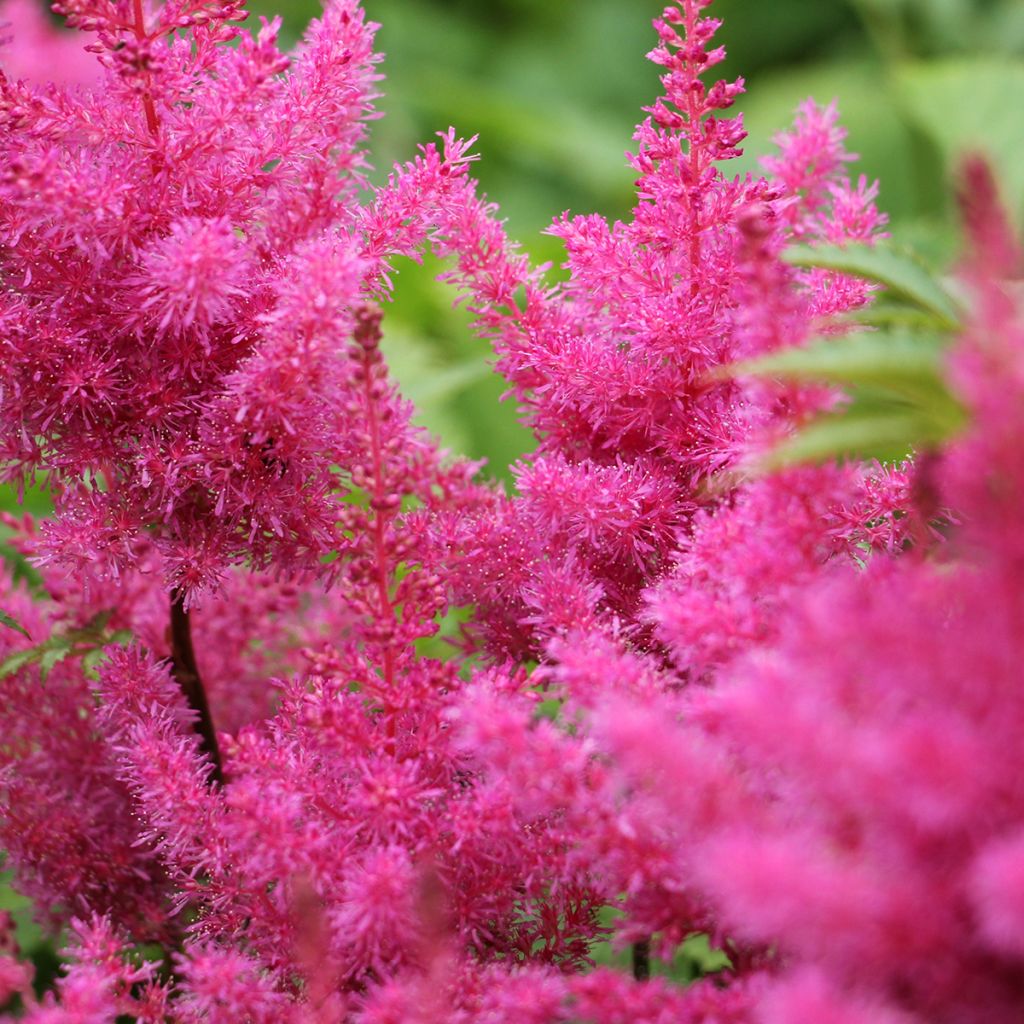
(534, 997)
(740, 564)
(847, 795)
(615, 367)
(349, 803)
(99, 983)
(184, 248)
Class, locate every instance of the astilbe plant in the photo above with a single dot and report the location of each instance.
(757, 737)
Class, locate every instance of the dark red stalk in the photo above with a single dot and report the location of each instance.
(147, 100)
(186, 671)
(642, 960)
(367, 336)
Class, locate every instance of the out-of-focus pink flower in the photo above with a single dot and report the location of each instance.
(34, 48)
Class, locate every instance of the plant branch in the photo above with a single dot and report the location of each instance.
(186, 671)
(642, 960)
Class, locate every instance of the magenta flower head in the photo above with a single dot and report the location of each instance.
(182, 256)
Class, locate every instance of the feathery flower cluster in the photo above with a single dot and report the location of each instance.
(780, 720)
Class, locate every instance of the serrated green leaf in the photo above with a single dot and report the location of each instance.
(87, 641)
(903, 276)
(18, 660)
(888, 437)
(877, 424)
(92, 658)
(52, 657)
(891, 316)
(12, 623)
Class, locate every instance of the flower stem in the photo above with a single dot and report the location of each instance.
(147, 99)
(642, 960)
(186, 672)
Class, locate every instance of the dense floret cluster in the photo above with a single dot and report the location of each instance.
(781, 711)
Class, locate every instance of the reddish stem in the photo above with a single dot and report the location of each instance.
(368, 335)
(147, 100)
(693, 133)
(185, 670)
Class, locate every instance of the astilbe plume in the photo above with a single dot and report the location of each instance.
(180, 257)
(858, 806)
(635, 557)
(616, 368)
(190, 355)
(844, 802)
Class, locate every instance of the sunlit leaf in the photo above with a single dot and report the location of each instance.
(901, 274)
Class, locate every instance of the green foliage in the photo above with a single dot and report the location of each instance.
(905, 278)
(12, 623)
(695, 958)
(966, 105)
(892, 372)
(87, 642)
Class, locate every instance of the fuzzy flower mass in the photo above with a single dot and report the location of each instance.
(689, 702)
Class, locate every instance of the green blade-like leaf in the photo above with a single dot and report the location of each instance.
(877, 424)
(903, 276)
(891, 316)
(12, 623)
(887, 436)
(899, 361)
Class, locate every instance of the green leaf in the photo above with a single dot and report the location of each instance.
(12, 623)
(87, 641)
(899, 399)
(886, 436)
(877, 424)
(891, 316)
(16, 661)
(51, 657)
(909, 364)
(903, 276)
(93, 657)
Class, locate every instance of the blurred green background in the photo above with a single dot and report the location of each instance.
(554, 87)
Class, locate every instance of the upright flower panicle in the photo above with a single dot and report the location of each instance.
(185, 257)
